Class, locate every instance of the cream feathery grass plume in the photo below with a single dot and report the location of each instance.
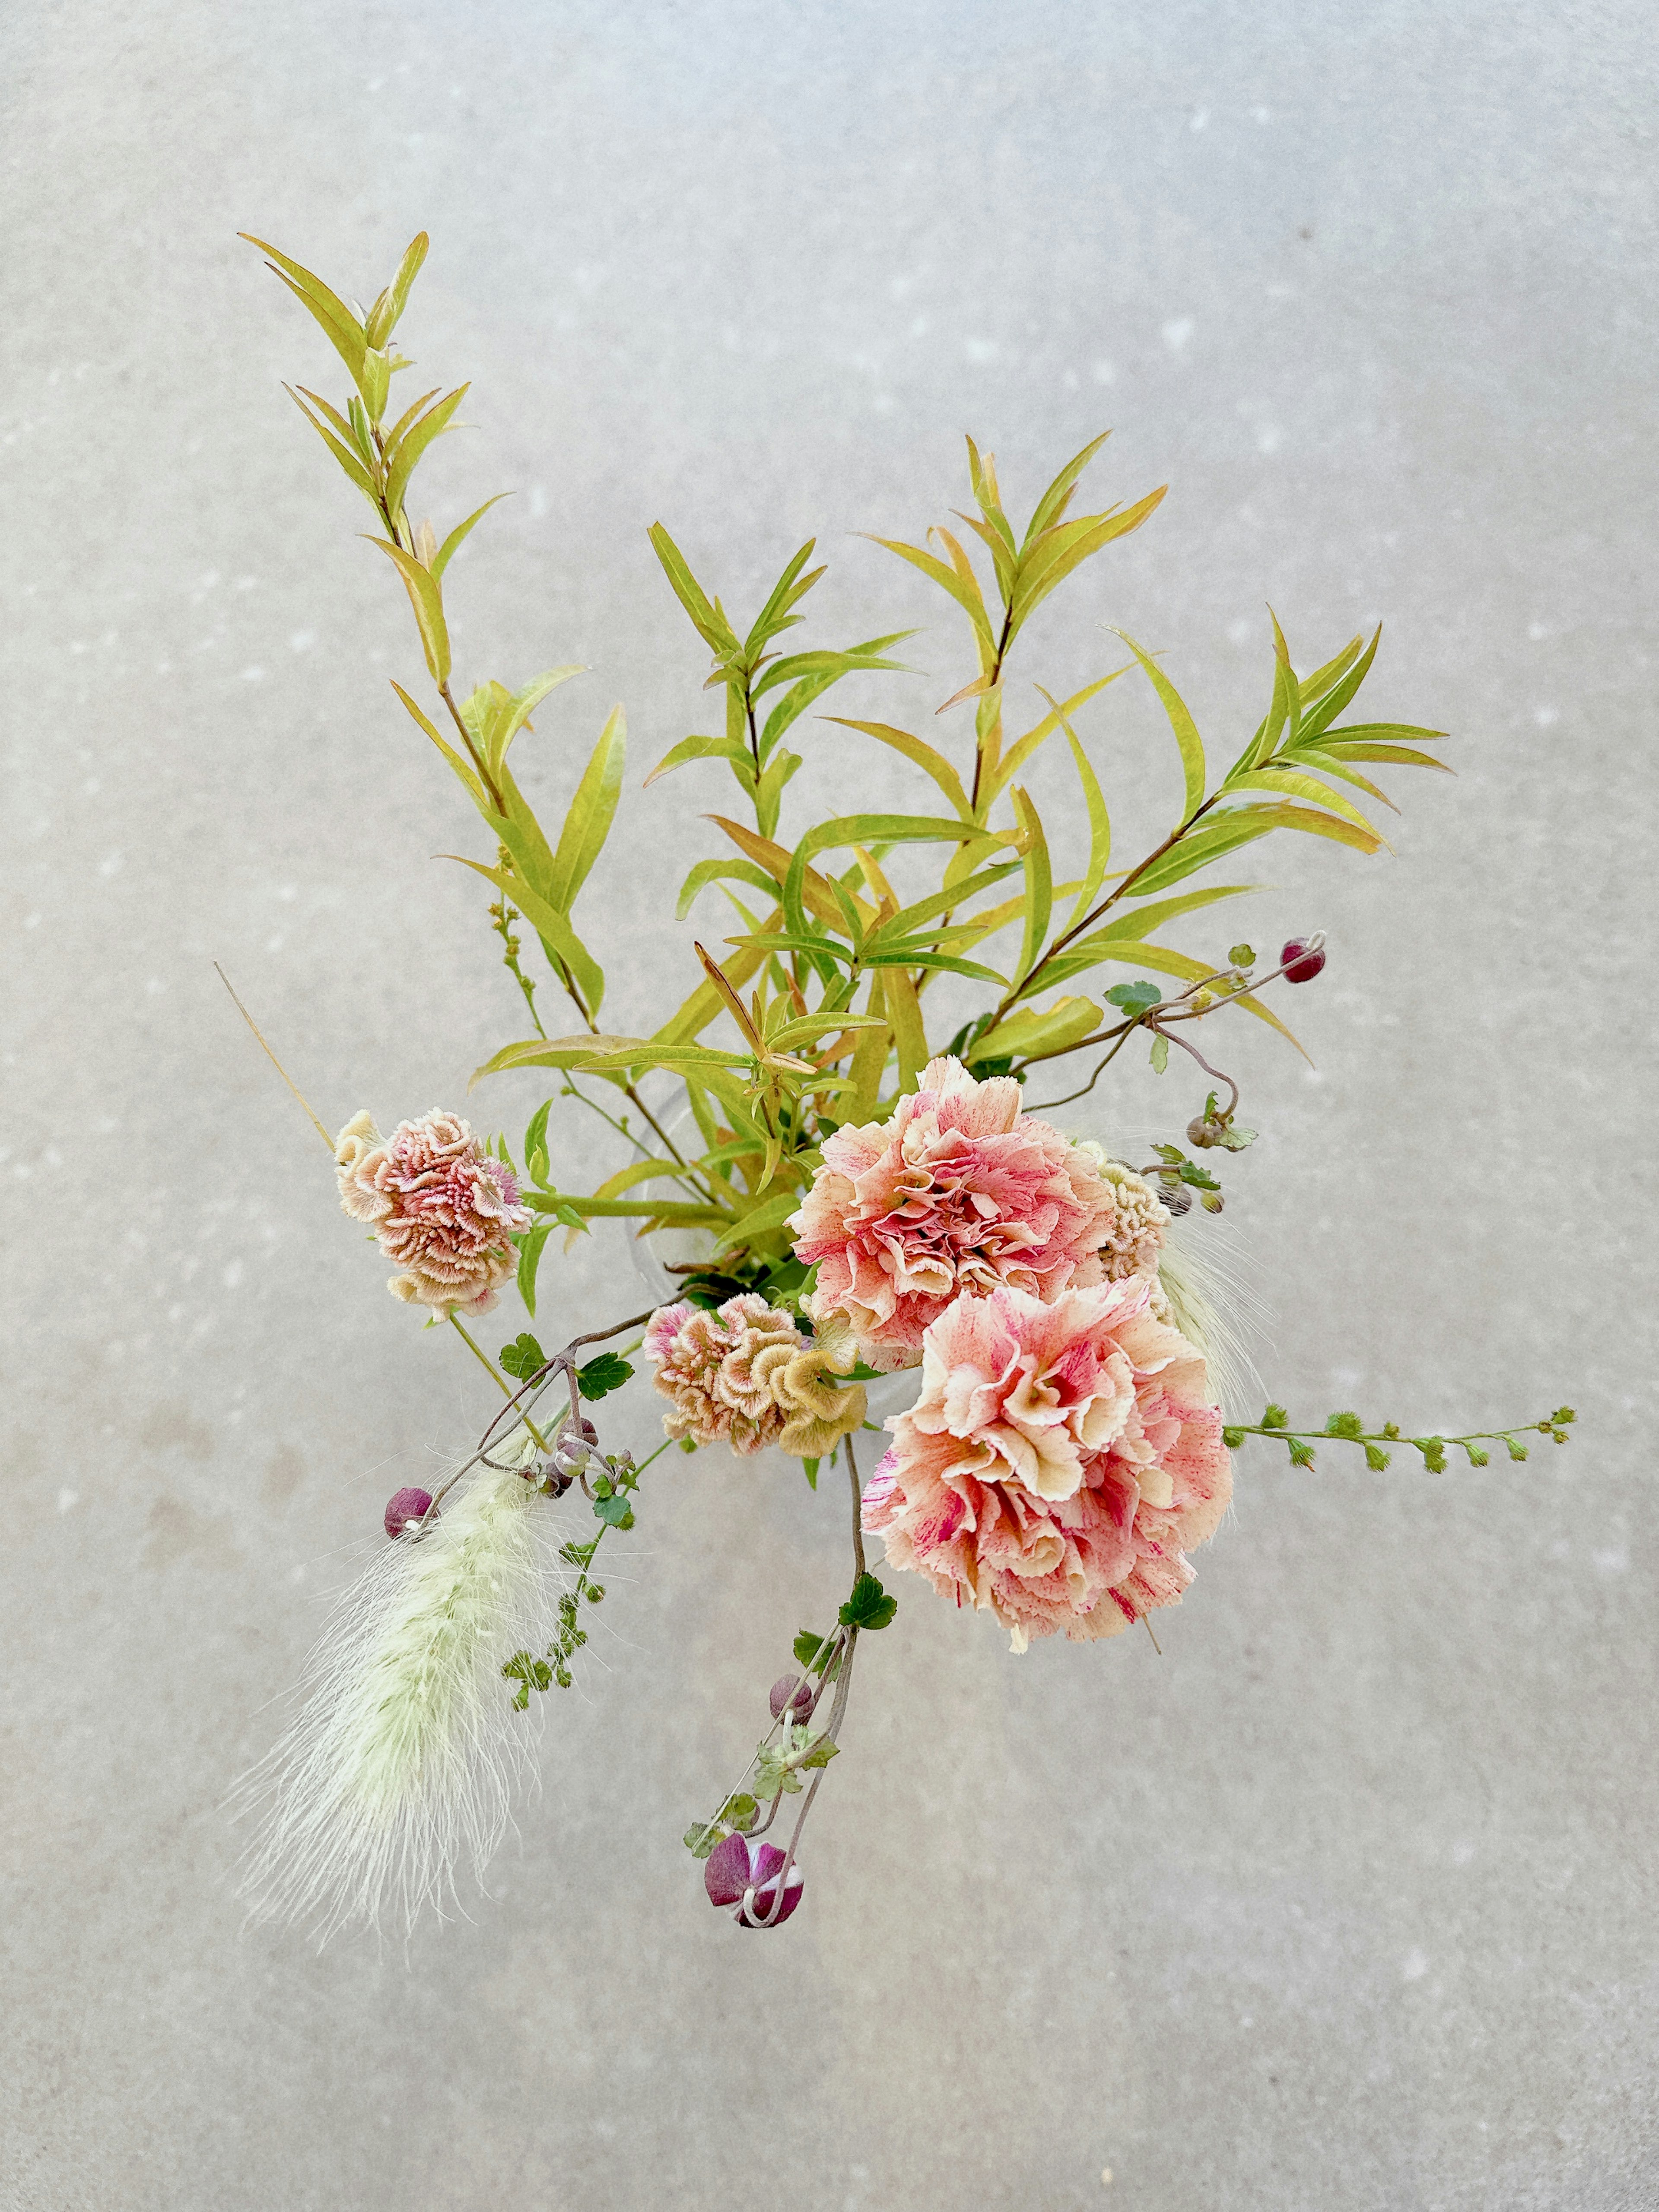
(1214, 1305)
(1204, 1277)
(404, 1760)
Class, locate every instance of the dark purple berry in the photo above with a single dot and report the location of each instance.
(406, 1509)
(1301, 962)
(795, 1692)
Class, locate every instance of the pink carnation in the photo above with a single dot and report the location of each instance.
(442, 1209)
(1058, 1463)
(960, 1191)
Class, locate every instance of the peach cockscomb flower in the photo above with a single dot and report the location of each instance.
(1060, 1462)
(442, 1209)
(961, 1192)
(746, 1375)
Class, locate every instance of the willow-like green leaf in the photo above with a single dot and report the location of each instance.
(344, 454)
(712, 872)
(1137, 922)
(967, 596)
(1319, 717)
(457, 536)
(403, 458)
(1055, 1030)
(710, 624)
(427, 600)
(551, 925)
(1052, 507)
(1039, 884)
(1099, 830)
(515, 712)
(1286, 783)
(587, 824)
(1182, 725)
(336, 320)
(463, 768)
(1067, 546)
(926, 756)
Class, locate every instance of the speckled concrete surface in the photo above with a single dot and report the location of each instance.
(1348, 1899)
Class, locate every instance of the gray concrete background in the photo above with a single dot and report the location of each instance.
(1347, 1901)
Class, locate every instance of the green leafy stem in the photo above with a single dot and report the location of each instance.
(1348, 1428)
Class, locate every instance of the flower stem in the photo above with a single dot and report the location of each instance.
(485, 1362)
(858, 1511)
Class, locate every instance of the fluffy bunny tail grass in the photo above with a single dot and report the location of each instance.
(403, 1761)
(1213, 1305)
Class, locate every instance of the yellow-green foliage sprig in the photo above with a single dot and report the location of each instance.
(824, 985)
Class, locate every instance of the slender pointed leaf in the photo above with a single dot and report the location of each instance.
(1286, 783)
(463, 768)
(1014, 760)
(709, 871)
(517, 711)
(903, 1012)
(1321, 717)
(342, 454)
(587, 824)
(457, 536)
(710, 624)
(550, 925)
(1181, 723)
(1050, 565)
(1054, 502)
(427, 600)
(1056, 1028)
(926, 756)
(409, 268)
(971, 602)
(344, 332)
(403, 458)
(1039, 885)
(1100, 829)
(1138, 921)
(910, 918)
(1405, 756)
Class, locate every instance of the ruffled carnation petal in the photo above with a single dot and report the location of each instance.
(444, 1211)
(1059, 1463)
(961, 1192)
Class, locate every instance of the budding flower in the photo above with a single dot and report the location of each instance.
(745, 1875)
(574, 1446)
(1203, 1131)
(793, 1693)
(1302, 957)
(1176, 1198)
(406, 1510)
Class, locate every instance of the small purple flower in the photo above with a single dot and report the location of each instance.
(745, 1875)
(406, 1508)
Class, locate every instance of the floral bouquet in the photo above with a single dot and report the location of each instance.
(841, 1196)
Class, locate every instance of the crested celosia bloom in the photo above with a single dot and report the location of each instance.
(1059, 1463)
(441, 1208)
(961, 1192)
(746, 1375)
